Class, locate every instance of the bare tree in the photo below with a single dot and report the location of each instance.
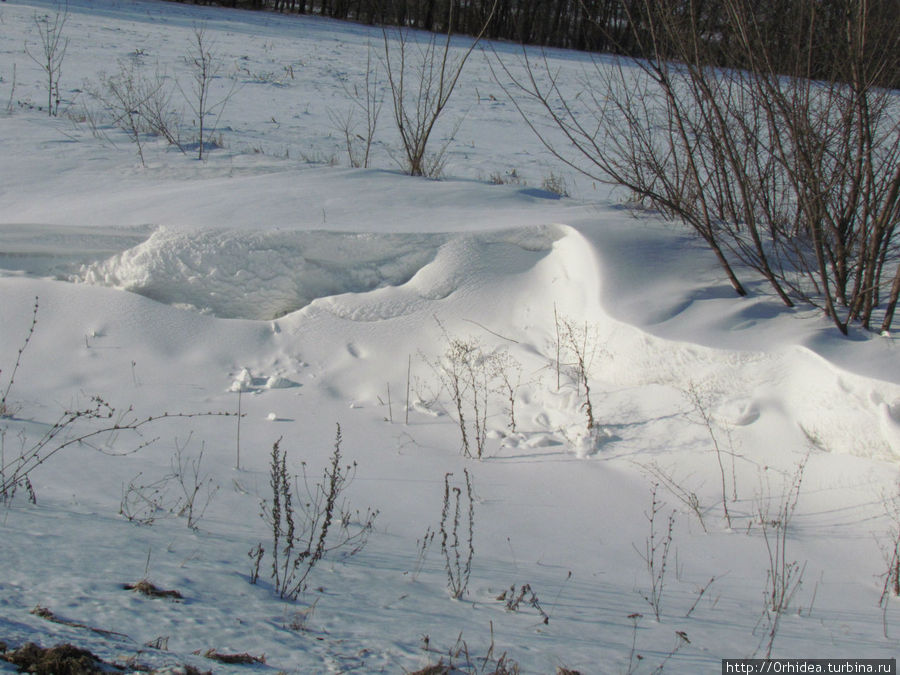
(53, 52)
(422, 78)
(205, 67)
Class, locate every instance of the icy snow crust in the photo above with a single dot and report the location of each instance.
(310, 295)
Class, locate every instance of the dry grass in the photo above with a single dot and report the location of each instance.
(64, 659)
(232, 658)
(435, 669)
(146, 588)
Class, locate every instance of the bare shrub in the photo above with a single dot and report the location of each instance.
(788, 164)
(656, 552)
(515, 598)
(308, 524)
(96, 424)
(635, 660)
(677, 488)
(422, 78)
(472, 376)
(144, 500)
(185, 491)
(555, 184)
(457, 537)
(6, 408)
(422, 547)
(509, 373)
(205, 66)
(52, 52)
(784, 576)
(724, 448)
(577, 348)
(459, 660)
(510, 177)
(279, 79)
(139, 105)
(365, 101)
(196, 489)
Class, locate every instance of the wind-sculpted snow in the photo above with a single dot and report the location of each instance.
(263, 275)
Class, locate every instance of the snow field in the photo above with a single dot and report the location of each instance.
(306, 292)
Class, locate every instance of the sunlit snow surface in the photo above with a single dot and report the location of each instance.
(310, 294)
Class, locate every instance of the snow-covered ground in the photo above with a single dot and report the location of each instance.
(272, 277)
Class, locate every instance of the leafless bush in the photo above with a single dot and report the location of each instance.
(656, 552)
(577, 348)
(457, 538)
(308, 524)
(784, 576)
(205, 66)
(422, 547)
(279, 79)
(514, 599)
(95, 424)
(555, 184)
(796, 177)
(140, 105)
(366, 101)
(509, 374)
(6, 408)
(52, 52)
(701, 591)
(470, 374)
(700, 409)
(510, 177)
(195, 488)
(460, 660)
(89, 114)
(159, 112)
(635, 659)
(145, 500)
(677, 488)
(422, 78)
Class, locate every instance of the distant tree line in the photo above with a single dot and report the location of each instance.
(622, 26)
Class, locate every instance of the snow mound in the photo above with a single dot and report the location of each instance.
(260, 275)
(264, 275)
(498, 265)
